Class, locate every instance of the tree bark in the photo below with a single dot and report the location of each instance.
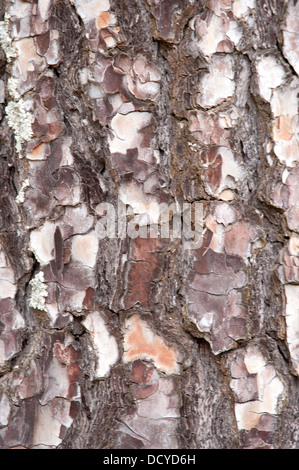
(119, 339)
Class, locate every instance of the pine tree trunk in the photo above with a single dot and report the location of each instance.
(111, 338)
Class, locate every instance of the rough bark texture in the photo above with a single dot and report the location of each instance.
(141, 342)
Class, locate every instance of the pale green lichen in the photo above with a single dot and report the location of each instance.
(19, 119)
(21, 195)
(39, 292)
(5, 39)
(12, 88)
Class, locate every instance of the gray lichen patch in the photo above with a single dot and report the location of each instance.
(18, 116)
(12, 88)
(39, 292)
(21, 194)
(19, 119)
(5, 39)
